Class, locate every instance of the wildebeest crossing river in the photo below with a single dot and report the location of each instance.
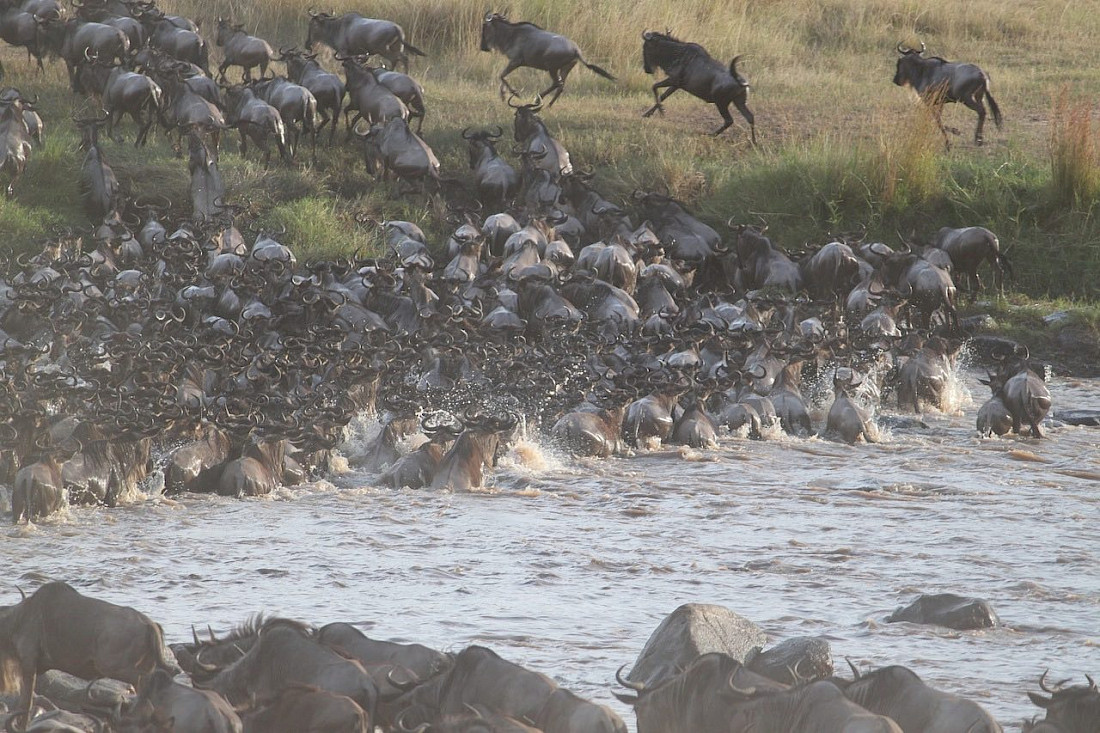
(566, 565)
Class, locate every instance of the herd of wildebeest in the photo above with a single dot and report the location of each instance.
(187, 343)
(170, 339)
(277, 675)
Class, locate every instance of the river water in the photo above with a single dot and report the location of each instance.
(567, 565)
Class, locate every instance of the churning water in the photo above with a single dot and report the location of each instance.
(566, 565)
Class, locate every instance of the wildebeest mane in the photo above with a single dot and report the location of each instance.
(667, 49)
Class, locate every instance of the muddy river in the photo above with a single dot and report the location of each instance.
(567, 565)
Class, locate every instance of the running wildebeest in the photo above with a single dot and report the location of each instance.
(939, 81)
(525, 44)
(351, 34)
(691, 68)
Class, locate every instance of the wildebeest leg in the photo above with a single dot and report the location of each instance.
(557, 87)
(724, 110)
(143, 134)
(512, 66)
(222, 69)
(658, 99)
(244, 140)
(749, 117)
(937, 115)
(977, 105)
(1035, 431)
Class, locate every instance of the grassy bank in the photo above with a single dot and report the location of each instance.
(841, 147)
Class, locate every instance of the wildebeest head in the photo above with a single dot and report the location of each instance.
(1073, 708)
(319, 23)
(527, 122)
(489, 29)
(909, 65)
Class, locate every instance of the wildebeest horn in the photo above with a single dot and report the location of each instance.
(748, 692)
(473, 710)
(195, 635)
(23, 596)
(312, 12)
(1092, 682)
(855, 670)
(211, 632)
(903, 49)
(1043, 683)
(399, 723)
(513, 106)
(922, 47)
(636, 686)
(465, 134)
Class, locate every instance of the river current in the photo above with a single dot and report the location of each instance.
(566, 565)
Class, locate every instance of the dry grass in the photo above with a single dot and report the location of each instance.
(1074, 156)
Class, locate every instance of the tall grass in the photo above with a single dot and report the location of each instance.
(1074, 156)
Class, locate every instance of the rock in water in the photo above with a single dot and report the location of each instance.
(691, 630)
(1089, 418)
(948, 609)
(808, 656)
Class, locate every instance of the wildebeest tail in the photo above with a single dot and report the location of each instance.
(993, 107)
(156, 639)
(598, 70)
(413, 49)
(280, 130)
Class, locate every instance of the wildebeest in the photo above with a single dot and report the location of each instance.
(422, 661)
(480, 677)
(1022, 392)
(898, 693)
(75, 40)
(818, 707)
(184, 44)
(477, 448)
(297, 107)
(396, 149)
(304, 709)
(1074, 709)
(938, 81)
(407, 89)
(123, 92)
(698, 699)
(38, 488)
(285, 654)
(351, 34)
(327, 88)
(256, 119)
(925, 374)
(846, 418)
(59, 628)
(21, 28)
(207, 188)
(99, 186)
(185, 708)
(526, 44)
(15, 141)
(761, 265)
(691, 68)
(535, 139)
(371, 99)
(242, 50)
(496, 180)
(968, 248)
